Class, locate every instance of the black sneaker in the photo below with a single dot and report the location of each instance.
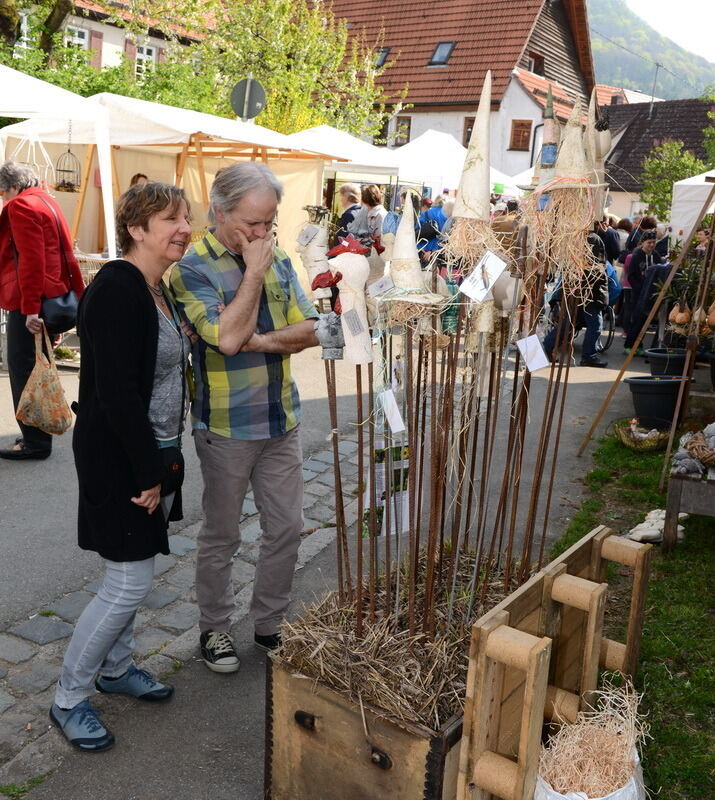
(271, 642)
(593, 361)
(218, 652)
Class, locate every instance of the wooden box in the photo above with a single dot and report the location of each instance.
(322, 746)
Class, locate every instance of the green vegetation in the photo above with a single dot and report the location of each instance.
(14, 791)
(664, 166)
(617, 67)
(47, 612)
(313, 69)
(678, 648)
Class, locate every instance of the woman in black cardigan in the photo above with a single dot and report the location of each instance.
(132, 400)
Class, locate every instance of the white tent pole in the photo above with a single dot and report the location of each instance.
(105, 171)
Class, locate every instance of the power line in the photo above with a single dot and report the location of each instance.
(645, 58)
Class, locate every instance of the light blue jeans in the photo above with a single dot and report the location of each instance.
(103, 639)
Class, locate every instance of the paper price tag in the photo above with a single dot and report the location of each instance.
(380, 286)
(391, 411)
(352, 320)
(480, 280)
(307, 235)
(533, 353)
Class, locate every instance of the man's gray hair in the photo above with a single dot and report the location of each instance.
(234, 182)
(17, 175)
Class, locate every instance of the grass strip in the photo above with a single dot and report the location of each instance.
(677, 662)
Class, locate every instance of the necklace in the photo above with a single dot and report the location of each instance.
(156, 292)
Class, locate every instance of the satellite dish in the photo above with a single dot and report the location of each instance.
(248, 98)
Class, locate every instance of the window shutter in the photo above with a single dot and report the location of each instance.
(95, 46)
(130, 50)
(160, 55)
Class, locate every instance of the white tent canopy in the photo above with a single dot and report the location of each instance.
(359, 153)
(140, 122)
(437, 159)
(43, 104)
(689, 196)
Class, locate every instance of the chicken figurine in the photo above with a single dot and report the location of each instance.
(313, 248)
(350, 268)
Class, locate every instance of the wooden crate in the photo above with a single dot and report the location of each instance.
(535, 656)
(322, 746)
(505, 706)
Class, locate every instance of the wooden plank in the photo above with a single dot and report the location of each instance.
(181, 164)
(84, 185)
(637, 611)
(487, 703)
(592, 644)
(202, 174)
(532, 718)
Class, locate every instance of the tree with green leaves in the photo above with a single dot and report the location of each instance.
(314, 70)
(662, 167)
(709, 132)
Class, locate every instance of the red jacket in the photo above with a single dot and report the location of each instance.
(31, 226)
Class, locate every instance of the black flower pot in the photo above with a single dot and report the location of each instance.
(666, 360)
(654, 399)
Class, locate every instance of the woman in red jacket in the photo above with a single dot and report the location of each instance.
(36, 261)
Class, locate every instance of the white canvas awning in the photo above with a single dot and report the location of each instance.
(437, 159)
(689, 196)
(43, 104)
(358, 154)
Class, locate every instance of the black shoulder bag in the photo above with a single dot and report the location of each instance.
(60, 313)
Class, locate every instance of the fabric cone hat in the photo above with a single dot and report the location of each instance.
(473, 196)
(571, 161)
(405, 268)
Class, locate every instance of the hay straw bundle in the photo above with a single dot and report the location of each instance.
(595, 755)
(559, 232)
(467, 241)
(411, 678)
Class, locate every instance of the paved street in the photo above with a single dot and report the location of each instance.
(43, 569)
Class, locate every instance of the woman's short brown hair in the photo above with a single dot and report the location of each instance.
(371, 195)
(624, 224)
(140, 203)
(649, 223)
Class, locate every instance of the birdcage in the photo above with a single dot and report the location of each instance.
(68, 170)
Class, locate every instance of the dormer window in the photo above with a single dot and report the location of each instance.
(381, 56)
(536, 64)
(441, 54)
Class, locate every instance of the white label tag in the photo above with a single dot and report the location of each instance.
(533, 353)
(391, 411)
(481, 279)
(380, 286)
(352, 320)
(307, 235)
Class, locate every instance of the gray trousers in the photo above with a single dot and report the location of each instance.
(103, 639)
(274, 468)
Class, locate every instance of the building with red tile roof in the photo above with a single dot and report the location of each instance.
(439, 53)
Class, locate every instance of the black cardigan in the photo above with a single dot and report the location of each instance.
(115, 451)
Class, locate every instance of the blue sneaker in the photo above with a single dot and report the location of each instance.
(137, 683)
(82, 727)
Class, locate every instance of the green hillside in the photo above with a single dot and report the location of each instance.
(616, 67)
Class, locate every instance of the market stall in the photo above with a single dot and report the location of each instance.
(173, 145)
(688, 198)
(46, 106)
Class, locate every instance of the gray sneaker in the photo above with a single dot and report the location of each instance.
(82, 727)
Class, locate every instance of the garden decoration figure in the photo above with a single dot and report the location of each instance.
(328, 331)
(350, 266)
(471, 236)
(312, 247)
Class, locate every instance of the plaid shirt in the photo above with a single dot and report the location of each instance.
(247, 395)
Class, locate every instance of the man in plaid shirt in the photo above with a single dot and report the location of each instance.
(241, 295)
